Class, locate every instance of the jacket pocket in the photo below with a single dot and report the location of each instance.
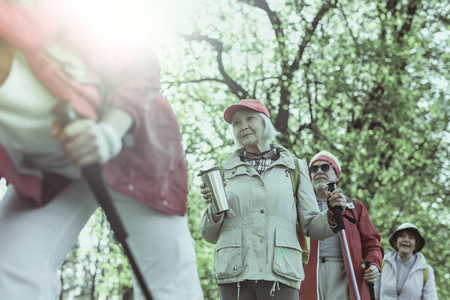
(228, 254)
(287, 260)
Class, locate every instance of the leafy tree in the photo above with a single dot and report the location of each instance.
(364, 79)
(96, 268)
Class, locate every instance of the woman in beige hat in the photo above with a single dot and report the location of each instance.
(405, 273)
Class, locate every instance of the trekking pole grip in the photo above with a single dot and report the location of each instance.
(369, 284)
(336, 210)
(65, 113)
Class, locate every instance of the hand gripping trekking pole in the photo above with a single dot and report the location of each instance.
(370, 284)
(94, 177)
(337, 213)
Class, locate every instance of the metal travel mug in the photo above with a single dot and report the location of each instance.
(213, 181)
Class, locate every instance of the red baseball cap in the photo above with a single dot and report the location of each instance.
(245, 103)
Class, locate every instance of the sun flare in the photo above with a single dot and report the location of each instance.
(135, 21)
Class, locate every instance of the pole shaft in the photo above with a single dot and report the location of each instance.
(349, 264)
(94, 177)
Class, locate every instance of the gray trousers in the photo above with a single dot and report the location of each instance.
(332, 281)
(257, 290)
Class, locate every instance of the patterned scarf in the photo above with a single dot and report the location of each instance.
(262, 160)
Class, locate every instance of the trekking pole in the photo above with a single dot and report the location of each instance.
(370, 284)
(337, 213)
(94, 177)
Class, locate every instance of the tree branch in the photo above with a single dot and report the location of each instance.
(235, 88)
(195, 81)
(274, 20)
(309, 34)
(262, 80)
(355, 41)
(411, 12)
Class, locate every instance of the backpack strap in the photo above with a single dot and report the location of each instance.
(222, 172)
(355, 210)
(425, 274)
(295, 178)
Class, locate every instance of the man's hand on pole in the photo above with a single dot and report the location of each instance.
(337, 199)
(371, 274)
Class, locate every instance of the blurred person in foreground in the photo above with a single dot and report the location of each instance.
(258, 255)
(406, 275)
(326, 274)
(46, 59)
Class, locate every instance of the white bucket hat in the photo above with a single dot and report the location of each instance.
(413, 228)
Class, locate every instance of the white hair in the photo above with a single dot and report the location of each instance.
(269, 134)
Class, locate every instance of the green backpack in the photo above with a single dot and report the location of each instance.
(295, 179)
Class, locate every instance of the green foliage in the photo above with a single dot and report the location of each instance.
(366, 80)
(96, 268)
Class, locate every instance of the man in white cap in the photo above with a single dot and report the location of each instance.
(326, 276)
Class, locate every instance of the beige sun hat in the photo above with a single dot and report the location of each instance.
(413, 228)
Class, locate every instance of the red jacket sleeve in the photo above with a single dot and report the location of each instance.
(370, 238)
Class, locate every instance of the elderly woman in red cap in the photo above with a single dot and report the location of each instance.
(406, 274)
(258, 255)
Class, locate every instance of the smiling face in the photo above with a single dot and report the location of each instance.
(406, 244)
(248, 129)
